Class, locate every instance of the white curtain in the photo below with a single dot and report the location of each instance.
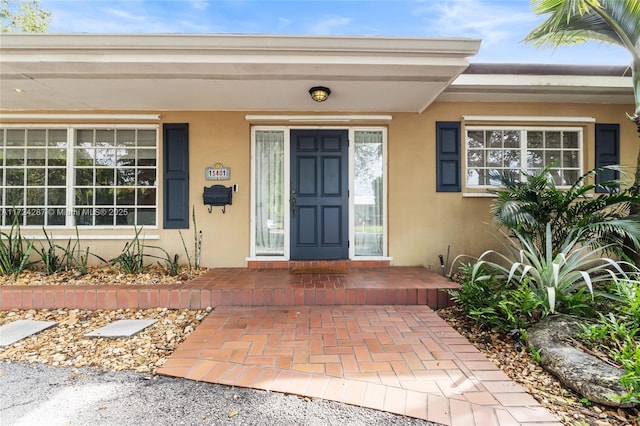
(369, 193)
(269, 192)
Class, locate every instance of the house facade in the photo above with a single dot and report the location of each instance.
(218, 138)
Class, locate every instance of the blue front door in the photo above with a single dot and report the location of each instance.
(319, 199)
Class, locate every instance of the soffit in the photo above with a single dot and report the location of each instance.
(226, 72)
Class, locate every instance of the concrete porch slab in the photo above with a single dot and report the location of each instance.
(18, 330)
(122, 328)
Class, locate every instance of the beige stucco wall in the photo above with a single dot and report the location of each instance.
(422, 223)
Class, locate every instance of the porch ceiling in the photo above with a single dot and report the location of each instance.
(225, 72)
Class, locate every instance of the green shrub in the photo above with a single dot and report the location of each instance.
(526, 207)
(15, 250)
(131, 260)
(617, 333)
(52, 260)
(553, 277)
(491, 302)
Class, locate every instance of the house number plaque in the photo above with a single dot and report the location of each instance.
(217, 172)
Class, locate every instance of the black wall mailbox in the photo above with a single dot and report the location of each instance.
(217, 195)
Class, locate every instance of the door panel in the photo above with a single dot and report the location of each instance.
(319, 194)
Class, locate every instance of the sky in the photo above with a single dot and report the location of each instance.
(501, 24)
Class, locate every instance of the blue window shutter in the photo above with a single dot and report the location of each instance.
(176, 175)
(607, 151)
(448, 156)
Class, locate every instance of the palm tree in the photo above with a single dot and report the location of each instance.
(608, 21)
(527, 207)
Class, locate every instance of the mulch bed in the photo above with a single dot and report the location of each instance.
(518, 364)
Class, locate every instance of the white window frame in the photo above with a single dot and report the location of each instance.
(523, 148)
(287, 179)
(70, 168)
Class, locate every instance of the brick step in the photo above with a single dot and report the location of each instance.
(288, 264)
(246, 287)
(179, 298)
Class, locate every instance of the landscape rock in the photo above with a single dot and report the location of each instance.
(585, 373)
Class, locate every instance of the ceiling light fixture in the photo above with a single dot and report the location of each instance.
(319, 93)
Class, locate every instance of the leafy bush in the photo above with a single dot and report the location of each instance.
(493, 304)
(553, 278)
(131, 260)
(618, 334)
(15, 250)
(51, 259)
(527, 207)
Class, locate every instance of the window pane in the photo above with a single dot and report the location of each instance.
(534, 159)
(57, 177)
(105, 157)
(84, 138)
(57, 196)
(512, 159)
(512, 139)
(552, 139)
(57, 157)
(105, 138)
(105, 177)
(36, 137)
(571, 176)
(369, 194)
(126, 138)
(15, 157)
(84, 157)
(475, 139)
(146, 138)
(57, 216)
(35, 157)
(269, 192)
(535, 139)
(147, 196)
(475, 158)
(494, 158)
(35, 217)
(552, 157)
(84, 197)
(35, 196)
(104, 196)
(126, 157)
(84, 177)
(146, 216)
(83, 216)
(146, 157)
(15, 177)
(126, 177)
(495, 139)
(104, 217)
(570, 159)
(570, 139)
(15, 137)
(146, 177)
(57, 138)
(35, 177)
(125, 196)
(15, 197)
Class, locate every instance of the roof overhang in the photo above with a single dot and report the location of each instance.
(89, 72)
(542, 83)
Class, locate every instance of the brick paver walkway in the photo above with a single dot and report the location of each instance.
(401, 359)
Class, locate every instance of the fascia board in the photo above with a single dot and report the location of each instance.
(483, 80)
(241, 43)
